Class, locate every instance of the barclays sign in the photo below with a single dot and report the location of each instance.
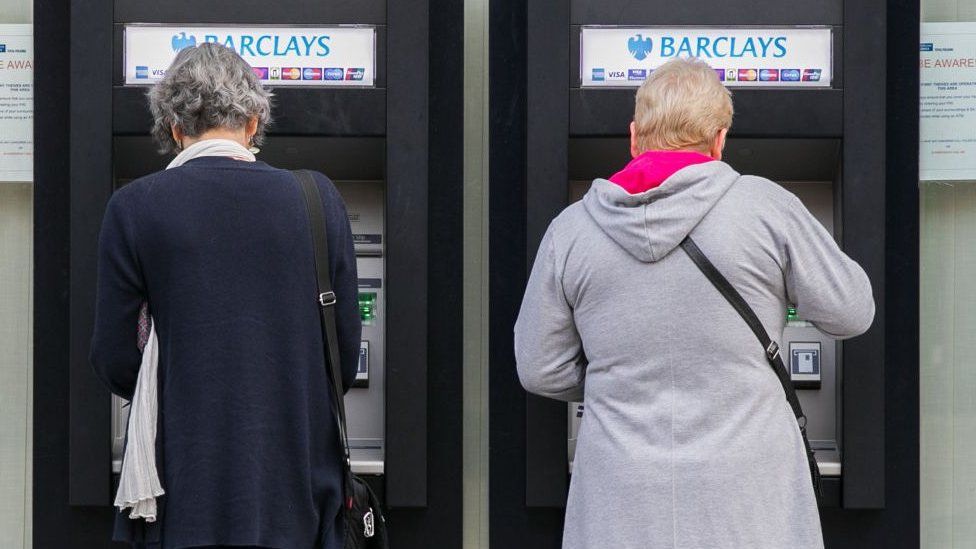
(741, 56)
(280, 56)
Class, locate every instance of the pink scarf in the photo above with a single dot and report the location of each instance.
(652, 168)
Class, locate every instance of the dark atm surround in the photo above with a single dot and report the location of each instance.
(392, 116)
(851, 112)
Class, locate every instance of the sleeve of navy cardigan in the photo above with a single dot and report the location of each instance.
(120, 291)
(548, 349)
(345, 281)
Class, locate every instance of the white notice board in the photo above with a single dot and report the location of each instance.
(947, 95)
(790, 57)
(336, 56)
(16, 103)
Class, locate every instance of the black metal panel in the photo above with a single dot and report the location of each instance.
(90, 159)
(707, 12)
(511, 524)
(547, 125)
(296, 111)
(295, 12)
(118, 63)
(406, 218)
(758, 113)
(863, 214)
(56, 524)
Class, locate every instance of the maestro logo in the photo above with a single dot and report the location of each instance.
(639, 46)
(181, 41)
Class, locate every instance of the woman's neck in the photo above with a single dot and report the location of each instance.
(236, 136)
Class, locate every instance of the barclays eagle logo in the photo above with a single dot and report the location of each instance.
(639, 46)
(181, 41)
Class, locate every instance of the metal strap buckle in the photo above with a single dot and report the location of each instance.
(773, 350)
(327, 299)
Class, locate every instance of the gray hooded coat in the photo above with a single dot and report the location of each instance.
(687, 441)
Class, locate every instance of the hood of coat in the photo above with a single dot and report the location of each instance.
(652, 223)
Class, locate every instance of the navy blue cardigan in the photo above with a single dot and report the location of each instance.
(247, 444)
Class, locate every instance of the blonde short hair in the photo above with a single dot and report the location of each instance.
(682, 105)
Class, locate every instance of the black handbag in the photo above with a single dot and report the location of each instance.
(772, 349)
(365, 527)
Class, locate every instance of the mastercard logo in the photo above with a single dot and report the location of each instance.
(748, 75)
(291, 73)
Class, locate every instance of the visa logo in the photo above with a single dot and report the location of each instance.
(925, 46)
(616, 75)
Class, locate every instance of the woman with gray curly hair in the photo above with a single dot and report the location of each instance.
(218, 248)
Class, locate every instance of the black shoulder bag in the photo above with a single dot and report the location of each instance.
(771, 347)
(365, 527)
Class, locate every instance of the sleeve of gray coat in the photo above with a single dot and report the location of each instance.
(828, 288)
(548, 349)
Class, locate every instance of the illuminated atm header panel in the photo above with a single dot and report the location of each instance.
(320, 56)
(786, 57)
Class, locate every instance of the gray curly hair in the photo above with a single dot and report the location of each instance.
(208, 86)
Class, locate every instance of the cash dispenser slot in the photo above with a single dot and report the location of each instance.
(810, 169)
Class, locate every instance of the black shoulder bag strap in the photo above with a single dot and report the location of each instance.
(327, 300)
(772, 349)
(365, 526)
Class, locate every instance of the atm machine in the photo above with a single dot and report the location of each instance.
(816, 128)
(364, 123)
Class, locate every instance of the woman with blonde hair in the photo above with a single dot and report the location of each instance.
(688, 440)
